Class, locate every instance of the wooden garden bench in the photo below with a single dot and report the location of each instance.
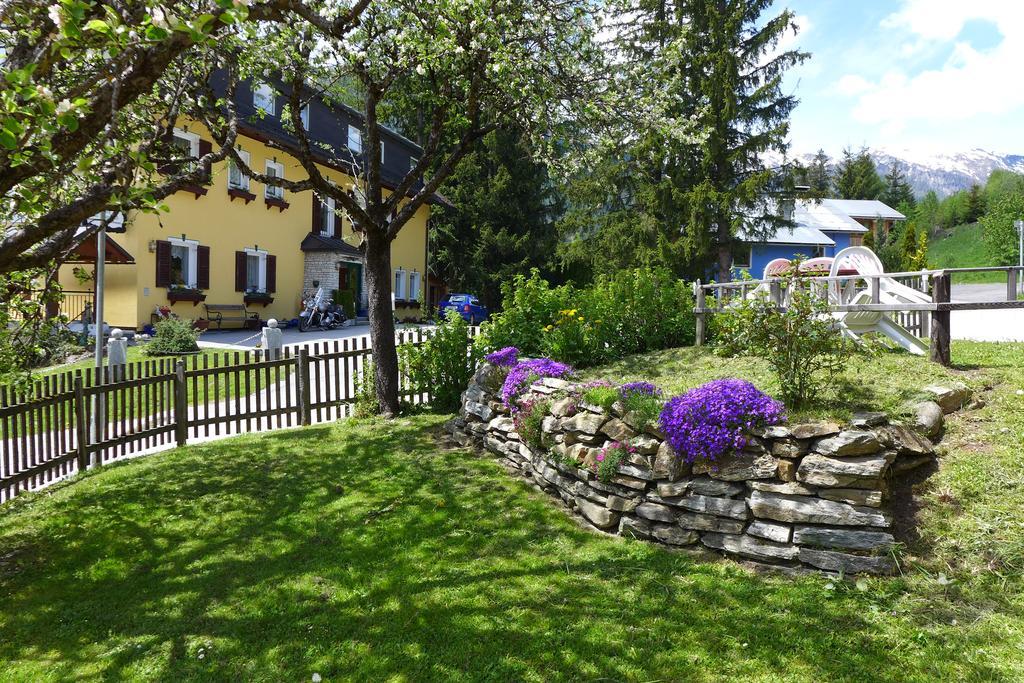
(231, 313)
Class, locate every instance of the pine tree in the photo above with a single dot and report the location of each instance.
(908, 246)
(728, 63)
(897, 190)
(857, 177)
(974, 205)
(869, 239)
(819, 181)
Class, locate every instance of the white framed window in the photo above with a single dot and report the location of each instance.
(412, 162)
(414, 286)
(304, 116)
(382, 151)
(274, 169)
(742, 256)
(236, 179)
(184, 262)
(186, 143)
(263, 97)
(355, 140)
(400, 284)
(327, 217)
(255, 270)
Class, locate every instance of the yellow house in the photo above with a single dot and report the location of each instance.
(235, 241)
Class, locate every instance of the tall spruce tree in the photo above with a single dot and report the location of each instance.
(736, 76)
(897, 189)
(817, 176)
(502, 223)
(857, 177)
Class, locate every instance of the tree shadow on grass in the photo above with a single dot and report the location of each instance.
(363, 552)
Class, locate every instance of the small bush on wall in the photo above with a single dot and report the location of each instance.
(799, 341)
(528, 418)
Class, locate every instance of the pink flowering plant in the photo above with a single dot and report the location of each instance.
(610, 457)
(528, 417)
(714, 419)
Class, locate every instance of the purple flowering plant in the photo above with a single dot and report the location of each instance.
(712, 420)
(526, 372)
(638, 388)
(528, 418)
(506, 357)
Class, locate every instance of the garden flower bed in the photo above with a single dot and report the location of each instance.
(719, 468)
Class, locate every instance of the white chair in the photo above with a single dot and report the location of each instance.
(866, 263)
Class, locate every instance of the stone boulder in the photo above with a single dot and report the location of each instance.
(848, 564)
(749, 546)
(848, 443)
(597, 514)
(813, 430)
(783, 508)
(584, 423)
(864, 471)
(838, 537)
(739, 467)
(950, 397)
(928, 418)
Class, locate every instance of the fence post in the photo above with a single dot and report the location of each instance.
(940, 320)
(1011, 284)
(305, 413)
(699, 311)
(81, 427)
(180, 404)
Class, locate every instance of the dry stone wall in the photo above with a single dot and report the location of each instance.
(804, 495)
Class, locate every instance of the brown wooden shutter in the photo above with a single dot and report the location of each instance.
(205, 147)
(317, 218)
(203, 267)
(271, 273)
(337, 224)
(241, 266)
(163, 264)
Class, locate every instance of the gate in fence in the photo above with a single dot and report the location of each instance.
(71, 421)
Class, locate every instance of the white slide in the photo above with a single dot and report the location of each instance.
(854, 324)
(866, 263)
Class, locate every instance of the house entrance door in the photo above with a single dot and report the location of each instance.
(350, 279)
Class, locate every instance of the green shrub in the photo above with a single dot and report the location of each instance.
(444, 364)
(173, 335)
(601, 395)
(529, 419)
(609, 459)
(633, 311)
(366, 404)
(645, 408)
(800, 343)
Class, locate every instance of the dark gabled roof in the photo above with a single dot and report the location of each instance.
(314, 242)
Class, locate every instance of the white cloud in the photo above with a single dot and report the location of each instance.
(969, 83)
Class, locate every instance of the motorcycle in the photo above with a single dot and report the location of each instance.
(318, 311)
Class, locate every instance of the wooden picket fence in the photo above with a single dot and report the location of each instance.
(72, 421)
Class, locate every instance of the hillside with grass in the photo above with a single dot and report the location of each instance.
(962, 247)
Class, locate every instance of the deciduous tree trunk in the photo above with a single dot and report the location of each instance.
(382, 320)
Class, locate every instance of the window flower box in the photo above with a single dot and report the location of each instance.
(262, 298)
(238, 193)
(176, 294)
(280, 204)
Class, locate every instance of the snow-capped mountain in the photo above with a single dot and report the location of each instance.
(944, 173)
(947, 173)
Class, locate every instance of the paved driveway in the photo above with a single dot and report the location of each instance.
(247, 339)
(995, 325)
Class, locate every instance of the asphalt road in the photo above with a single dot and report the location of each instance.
(995, 325)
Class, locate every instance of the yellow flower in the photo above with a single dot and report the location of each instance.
(548, 328)
(581, 318)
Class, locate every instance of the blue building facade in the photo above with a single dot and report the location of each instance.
(821, 228)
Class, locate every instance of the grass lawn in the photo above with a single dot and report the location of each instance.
(369, 551)
(885, 381)
(963, 248)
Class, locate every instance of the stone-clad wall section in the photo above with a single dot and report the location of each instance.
(807, 495)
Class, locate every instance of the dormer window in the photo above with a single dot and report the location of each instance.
(412, 162)
(304, 116)
(355, 140)
(263, 98)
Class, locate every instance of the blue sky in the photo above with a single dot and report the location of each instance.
(920, 75)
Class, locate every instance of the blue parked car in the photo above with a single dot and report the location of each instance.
(468, 306)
